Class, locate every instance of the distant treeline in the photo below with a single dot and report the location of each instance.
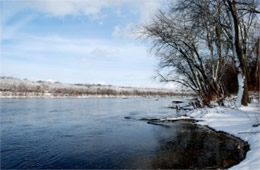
(16, 87)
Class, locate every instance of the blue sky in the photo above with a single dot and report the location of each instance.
(77, 41)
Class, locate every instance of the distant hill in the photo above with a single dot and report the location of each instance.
(15, 87)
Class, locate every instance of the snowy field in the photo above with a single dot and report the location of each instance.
(238, 122)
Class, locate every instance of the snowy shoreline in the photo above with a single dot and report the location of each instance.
(237, 122)
(64, 97)
(79, 97)
(13, 88)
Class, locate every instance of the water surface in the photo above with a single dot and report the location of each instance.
(94, 133)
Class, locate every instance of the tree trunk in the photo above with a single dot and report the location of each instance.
(239, 56)
(257, 53)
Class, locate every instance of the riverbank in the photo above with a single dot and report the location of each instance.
(23, 95)
(240, 122)
(22, 88)
(13, 95)
(47, 96)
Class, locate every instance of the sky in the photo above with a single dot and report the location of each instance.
(78, 41)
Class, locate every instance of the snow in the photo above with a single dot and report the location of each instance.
(179, 118)
(240, 79)
(237, 122)
(13, 87)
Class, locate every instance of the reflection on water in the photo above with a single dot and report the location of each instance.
(93, 133)
(195, 146)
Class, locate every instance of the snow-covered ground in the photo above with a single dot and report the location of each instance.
(238, 122)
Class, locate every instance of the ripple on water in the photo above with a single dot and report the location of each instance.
(108, 133)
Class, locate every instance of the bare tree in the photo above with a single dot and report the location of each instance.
(185, 47)
(197, 40)
(241, 15)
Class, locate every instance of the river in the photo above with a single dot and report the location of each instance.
(104, 133)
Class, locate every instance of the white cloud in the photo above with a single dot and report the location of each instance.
(127, 31)
(92, 8)
(9, 31)
(67, 7)
(68, 51)
(97, 59)
(148, 8)
(118, 12)
(102, 52)
(76, 46)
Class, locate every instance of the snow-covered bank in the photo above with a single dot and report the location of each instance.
(50, 95)
(238, 122)
(18, 88)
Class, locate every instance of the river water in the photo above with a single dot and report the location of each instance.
(103, 133)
